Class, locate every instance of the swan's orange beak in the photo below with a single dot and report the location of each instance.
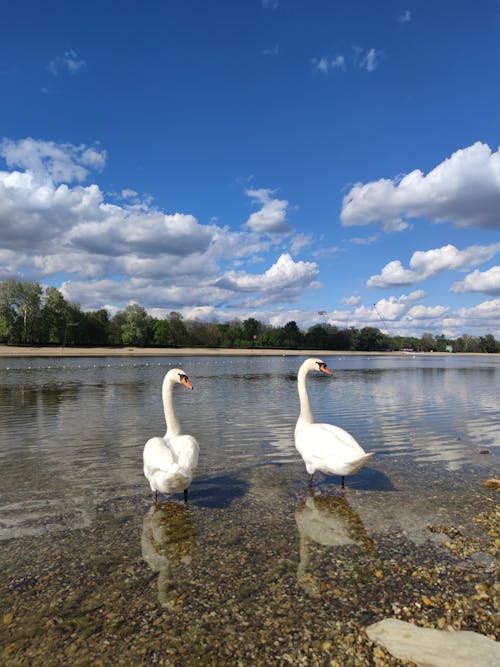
(186, 382)
(324, 369)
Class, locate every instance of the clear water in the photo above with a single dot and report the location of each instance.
(257, 569)
(72, 429)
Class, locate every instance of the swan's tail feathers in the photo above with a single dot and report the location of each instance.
(347, 467)
(359, 463)
(173, 481)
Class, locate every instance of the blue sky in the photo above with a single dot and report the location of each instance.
(279, 159)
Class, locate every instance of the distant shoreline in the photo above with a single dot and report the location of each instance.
(59, 351)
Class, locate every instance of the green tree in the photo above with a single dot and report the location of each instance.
(56, 314)
(98, 326)
(177, 329)
(427, 342)
(20, 317)
(137, 327)
(294, 338)
(161, 335)
(371, 339)
(251, 329)
(317, 337)
(489, 344)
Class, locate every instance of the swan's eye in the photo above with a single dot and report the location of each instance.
(182, 376)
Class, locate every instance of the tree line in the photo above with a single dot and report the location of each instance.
(32, 315)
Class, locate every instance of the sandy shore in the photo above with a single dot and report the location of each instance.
(22, 351)
(58, 351)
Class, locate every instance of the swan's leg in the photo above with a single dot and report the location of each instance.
(343, 482)
(155, 497)
(310, 479)
(185, 495)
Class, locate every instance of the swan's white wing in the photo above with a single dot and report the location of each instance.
(340, 438)
(158, 455)
(186, 451)
(329, 448)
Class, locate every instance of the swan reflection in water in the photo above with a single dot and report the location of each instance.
(168, 543)
(330, 522)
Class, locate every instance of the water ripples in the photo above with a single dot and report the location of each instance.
(73, 430)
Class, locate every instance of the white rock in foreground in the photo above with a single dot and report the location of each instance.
(434, 648)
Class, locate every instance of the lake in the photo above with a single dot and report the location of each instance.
(256, 566)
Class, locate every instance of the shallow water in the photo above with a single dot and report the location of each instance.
(71, 438)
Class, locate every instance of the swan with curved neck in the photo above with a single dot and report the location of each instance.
(170, 462)
(324, 447)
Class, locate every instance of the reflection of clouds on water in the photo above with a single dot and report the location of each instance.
(328, 521)
(168, 543)
(426, 415)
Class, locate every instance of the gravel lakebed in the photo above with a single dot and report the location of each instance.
(277, 576)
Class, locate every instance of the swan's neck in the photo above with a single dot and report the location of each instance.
(305, 408)
(173, 426)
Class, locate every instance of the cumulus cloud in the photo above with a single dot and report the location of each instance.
(48, 161)
(271, 218)
(393, 308)
(430, 262)
(463, 189)
(300, 241)
(487, 282)
(351, 300)
(393, 274)
(69, 62)
(285, 277)
(405, 17)
(51, 223)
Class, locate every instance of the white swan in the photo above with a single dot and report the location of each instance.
(324, 447)
(169, 462)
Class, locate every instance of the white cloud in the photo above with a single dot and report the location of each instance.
(351, 300)
(487, 310)
(48, 161)
(394, 275)
(119, 253)
(270, 4)
(271, 218)
(284, 278)
(364, 240)
(300, 241)
(369, 60)
(271, 51)
(68, 62)
(405, 17)
(477, 281)
(430, 262)
(394, 308)
(325, 65)
(464, 190)
(426, 312)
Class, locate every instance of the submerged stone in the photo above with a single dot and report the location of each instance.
(427, 647)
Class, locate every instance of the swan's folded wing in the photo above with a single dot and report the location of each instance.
(186, 451)
(327, 440)
(158, 455)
